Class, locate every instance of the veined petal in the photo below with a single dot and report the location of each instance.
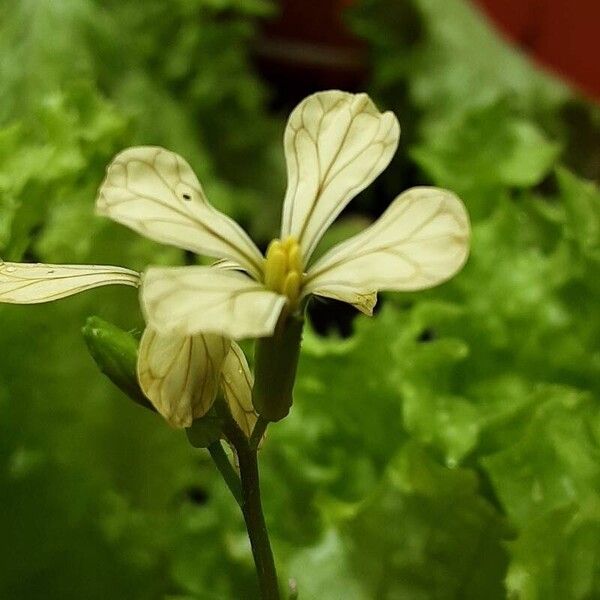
(421, 240)
(156, 193)
(23, 283)
(180, 375)
(336, 144)
(237, 382)
(227, 264)
(364, 301)
(190, 300)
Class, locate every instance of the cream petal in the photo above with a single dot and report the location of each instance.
(226, 264)
(23, 283)
(156, 193)
(363, 301)
(180, 375)
(421, 240)
(237, 382)
(190, 300)
(336, 144)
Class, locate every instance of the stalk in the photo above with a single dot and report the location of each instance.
(251, 506)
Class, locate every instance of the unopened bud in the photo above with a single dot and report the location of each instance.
(115, 352)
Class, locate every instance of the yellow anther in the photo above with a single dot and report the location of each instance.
(291, 286)
(273, 246)
(283, 268)
(295, 259)
(289, 242)
(275, 269)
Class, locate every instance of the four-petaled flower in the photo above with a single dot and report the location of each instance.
(336, 144)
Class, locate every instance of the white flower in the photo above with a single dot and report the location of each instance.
(336, 144)
(180, 375)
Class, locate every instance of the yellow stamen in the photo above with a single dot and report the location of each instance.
(295, 259)
(289, 242)
(276, 268)
(291, 286)
(273, 246)
(283, 268)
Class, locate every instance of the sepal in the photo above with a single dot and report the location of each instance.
(275, 364)
(206, 430)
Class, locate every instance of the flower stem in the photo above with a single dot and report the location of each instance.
(228, 473)
(259, 429)
(256, 526)
(251, 506)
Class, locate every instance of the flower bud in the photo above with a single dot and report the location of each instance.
(115, 352)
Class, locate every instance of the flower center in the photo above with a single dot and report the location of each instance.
(283, 268)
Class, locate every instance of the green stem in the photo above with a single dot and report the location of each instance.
(259, 430)
(228, 473)
(252, 507)
(256, 525)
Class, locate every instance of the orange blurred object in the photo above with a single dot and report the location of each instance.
(563, 35)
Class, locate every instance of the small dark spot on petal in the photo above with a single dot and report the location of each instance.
(427, 335)
(187, 197)
(197, 495)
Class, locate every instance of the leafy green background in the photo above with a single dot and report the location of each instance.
(448, 448)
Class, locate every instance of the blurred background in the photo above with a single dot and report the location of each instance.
(447, 448)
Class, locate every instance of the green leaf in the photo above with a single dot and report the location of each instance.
(420, 515)
(548, 478)
(450, 59)
(557, 555)
(581, 202)
(553, 460)
(483, 151)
